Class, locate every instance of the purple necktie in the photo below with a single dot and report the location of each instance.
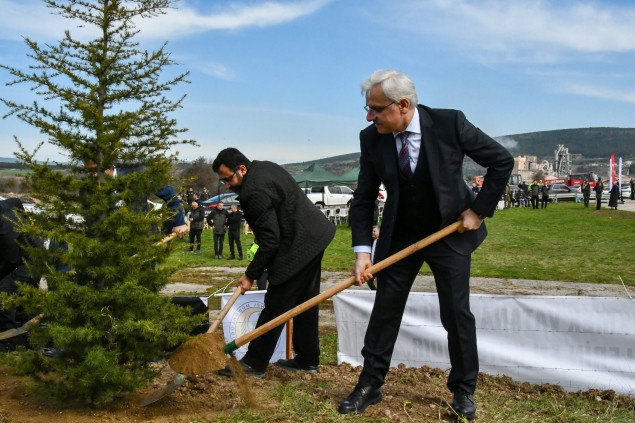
(404, 156)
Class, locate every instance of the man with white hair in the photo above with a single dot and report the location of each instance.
(417, 153)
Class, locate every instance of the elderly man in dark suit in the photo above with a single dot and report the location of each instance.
(292, 235)
(417, 152)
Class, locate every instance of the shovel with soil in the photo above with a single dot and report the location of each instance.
(209, 351)
(196, 355)
(301, 308)
(201, 353)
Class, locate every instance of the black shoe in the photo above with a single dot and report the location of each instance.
(249, 371)
(293, 366)
(240, 257)
(360, 399)
(463, 404)
(232, 258)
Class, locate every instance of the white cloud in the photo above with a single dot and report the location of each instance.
(29, 18)
(216, 70)
(33, 18)
(627, 96)
(185, 20)
(541, 27)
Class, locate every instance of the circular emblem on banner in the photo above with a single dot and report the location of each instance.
(242, 319)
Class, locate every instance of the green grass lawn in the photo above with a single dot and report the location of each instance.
(564, 242)
(14, 172)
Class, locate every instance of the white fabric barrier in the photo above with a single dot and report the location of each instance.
(242, 318)
(578, 343)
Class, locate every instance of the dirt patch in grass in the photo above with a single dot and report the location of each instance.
(410, 394)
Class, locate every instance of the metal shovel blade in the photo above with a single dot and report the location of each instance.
(163, 392)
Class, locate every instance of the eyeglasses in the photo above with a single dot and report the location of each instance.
(377, 110)
(229, 178)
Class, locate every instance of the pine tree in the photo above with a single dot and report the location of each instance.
(103, 104)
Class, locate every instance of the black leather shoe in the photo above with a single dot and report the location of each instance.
(293, 366)
(463, 404)
(360, 399)
(249, 371)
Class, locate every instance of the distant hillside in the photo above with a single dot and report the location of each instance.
(588, 142)
(583, 144)
(336, 164)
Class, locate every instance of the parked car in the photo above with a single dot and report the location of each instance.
(331, 195)
(563, 192)
(228, 199)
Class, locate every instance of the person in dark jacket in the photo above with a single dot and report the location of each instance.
(545, 196)
(217, 220)
(598, 188)
(177, 223)
(197, 222)
(586, 193)
(417, 152)
(292, 235)
(13, 268)
(535, 194)
(614, 195)
(233, 232)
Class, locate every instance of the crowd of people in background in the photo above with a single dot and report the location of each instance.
(220, 220)
(538, 194)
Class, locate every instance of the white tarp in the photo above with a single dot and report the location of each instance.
(242, 318)
(578, 343)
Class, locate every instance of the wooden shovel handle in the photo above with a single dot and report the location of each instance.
(301, 308)
(237, 292)
(166, 239)
(10, 333)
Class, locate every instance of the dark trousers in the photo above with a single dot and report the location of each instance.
(534, 202)
(278, 300)
(262, 281)
(586, 199)
(219, 240)
(12, 318)
(195, 238)
(544, 201)
(598, 202)
(452, 277)
(233, 236)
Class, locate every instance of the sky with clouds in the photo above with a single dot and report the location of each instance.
(280, 79)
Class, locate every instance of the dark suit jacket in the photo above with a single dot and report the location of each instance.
(290, 230)
(446, 138)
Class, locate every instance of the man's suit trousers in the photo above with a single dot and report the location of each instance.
(451, 273)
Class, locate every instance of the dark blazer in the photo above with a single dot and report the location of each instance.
(291, 231)
(198, 218)
(446, 138)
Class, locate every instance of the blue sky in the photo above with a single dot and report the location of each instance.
(280, 79)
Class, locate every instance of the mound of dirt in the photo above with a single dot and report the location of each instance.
(409, 395)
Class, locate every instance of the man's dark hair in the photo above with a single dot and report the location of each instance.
(230, 157)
